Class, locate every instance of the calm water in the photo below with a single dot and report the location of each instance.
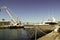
(13, 34)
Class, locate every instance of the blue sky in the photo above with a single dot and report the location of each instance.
(31, 10)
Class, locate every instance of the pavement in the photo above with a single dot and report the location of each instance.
(51, 36)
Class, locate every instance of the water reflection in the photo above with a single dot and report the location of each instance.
(13, 34)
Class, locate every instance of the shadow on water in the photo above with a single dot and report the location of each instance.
(13, 34)
(23, 35)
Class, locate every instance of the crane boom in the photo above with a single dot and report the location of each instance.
(8, 12)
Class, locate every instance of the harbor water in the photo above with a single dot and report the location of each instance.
(13, 34)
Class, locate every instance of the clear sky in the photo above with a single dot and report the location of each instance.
(31, 10)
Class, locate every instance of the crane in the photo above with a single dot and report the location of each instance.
(8, 12)
(15, 22)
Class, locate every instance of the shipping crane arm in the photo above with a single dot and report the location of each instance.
(8, 12)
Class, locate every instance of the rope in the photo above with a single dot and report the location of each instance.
(42, 31)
